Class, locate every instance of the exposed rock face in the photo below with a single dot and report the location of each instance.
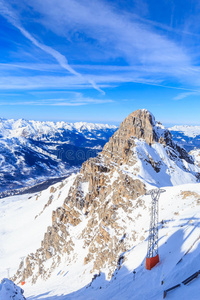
(140, 124)
(107, 187)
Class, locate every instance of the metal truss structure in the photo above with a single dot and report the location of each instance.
(153, 229)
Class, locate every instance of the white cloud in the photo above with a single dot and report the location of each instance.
(186, 94)
(34, 83)
(30, 66)
(68, 82)
(74, 99)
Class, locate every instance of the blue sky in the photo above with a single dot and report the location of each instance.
(83, 60)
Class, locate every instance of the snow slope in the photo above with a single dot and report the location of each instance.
(8, 290)
(179, 229)
(157, 167)
(24, 219)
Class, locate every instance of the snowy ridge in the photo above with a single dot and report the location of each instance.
(188, 130)
(157, 167)
(31, 218)
(40, 129)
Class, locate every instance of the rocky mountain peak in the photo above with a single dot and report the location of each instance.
(141, 125)
(108, 190)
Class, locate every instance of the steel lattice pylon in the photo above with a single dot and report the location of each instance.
(153, 229)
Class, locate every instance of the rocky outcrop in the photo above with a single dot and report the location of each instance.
(106, 188)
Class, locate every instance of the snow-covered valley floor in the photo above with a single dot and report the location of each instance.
(179, 214)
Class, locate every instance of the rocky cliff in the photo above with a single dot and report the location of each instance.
(97, 221)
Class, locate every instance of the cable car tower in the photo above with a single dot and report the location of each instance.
(152, 257)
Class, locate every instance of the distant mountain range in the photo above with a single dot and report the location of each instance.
(187, 136)
(32, 151)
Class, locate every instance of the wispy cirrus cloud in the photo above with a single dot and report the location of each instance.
(7, 12)
(186, 94)
(69, 82)
(73, 99)
(149, 55)
(103, 29)
(30, 66)
(57, 82)
(121, 32)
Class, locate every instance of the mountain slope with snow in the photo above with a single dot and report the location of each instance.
(33, 151)
(178, 230)
(140, 153)
(8, 290)
(84, 237)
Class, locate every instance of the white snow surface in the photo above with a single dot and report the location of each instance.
(24, 222)
(196, 155)
(171, 171)
(188, 130)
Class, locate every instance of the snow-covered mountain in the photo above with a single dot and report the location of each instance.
(57, 131)
(8, 290)
(188, 130)
(187, 136)
(32, 151)
(179, 233)
(84, 237)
